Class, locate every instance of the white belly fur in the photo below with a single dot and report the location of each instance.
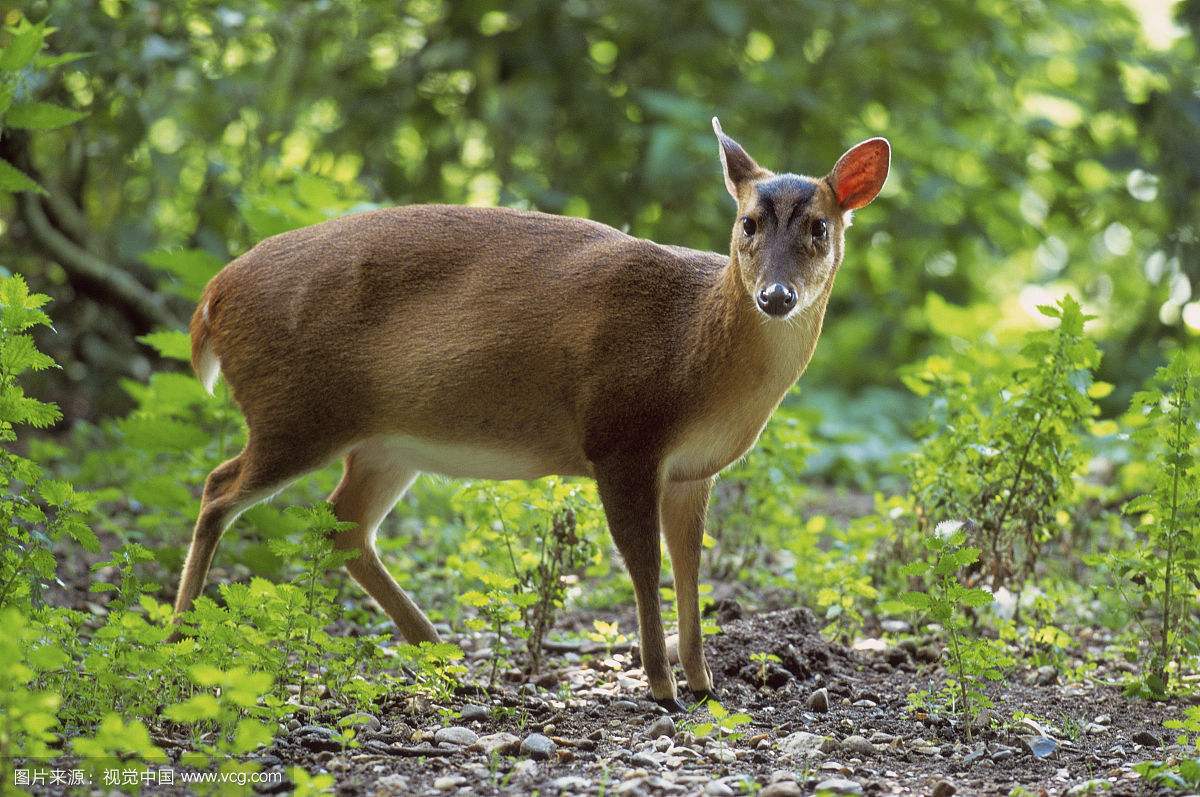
(458, 460)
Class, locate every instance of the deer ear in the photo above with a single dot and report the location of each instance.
(859, 175)
(737, 165)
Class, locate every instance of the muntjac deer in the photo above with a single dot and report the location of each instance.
(503, 344)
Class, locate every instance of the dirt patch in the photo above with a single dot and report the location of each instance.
(588, 729)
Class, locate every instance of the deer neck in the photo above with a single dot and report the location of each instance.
(737, 349)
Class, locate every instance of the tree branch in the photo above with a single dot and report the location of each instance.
(145, 307)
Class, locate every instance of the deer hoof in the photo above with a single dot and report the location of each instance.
(671, 704)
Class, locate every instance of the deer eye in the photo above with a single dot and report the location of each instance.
(749, 226)
(819, 230)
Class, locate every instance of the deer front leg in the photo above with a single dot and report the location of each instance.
(684, 507)
(631, 503)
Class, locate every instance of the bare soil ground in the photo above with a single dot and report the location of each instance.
(605, 738)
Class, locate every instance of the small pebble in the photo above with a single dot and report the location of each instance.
(944, 788)
(858, 744)
(782, 788)
(819, 700)
(538, 746)
(473, 713)
(456, 734)
(839, 786)
(663, 726)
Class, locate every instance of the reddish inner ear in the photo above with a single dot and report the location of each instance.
(861, 172)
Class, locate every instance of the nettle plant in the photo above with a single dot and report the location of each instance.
(1003, 445)
(526, 547)
(36, 511)
(972, 660)
(1160, 574)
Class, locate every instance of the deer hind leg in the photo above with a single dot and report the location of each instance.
(684, 507)
(371, 485)
(233, 487)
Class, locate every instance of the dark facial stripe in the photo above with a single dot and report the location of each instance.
(786, 191)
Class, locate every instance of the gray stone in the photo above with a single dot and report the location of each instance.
(819, 700)
(801, 744)
(663, 726)
(839, 786)
(723, 755)
(538, 746)
(456, 734)
(473, 713)
(447, 782)
(857, 744)
(315, 730)
(718, 789)
(499, 743)
(782, 788)
(570, 784)
(1093, 786)
(391, 786)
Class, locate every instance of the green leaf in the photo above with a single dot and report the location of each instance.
(40, 116)
(977, 598)
(22, 48)
(249, 736)
(170, 343)
(194, 709)
(193, 268)
(13, 179)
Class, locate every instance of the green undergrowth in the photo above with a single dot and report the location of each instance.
(1005, 543)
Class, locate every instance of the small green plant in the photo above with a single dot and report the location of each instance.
(522, 587)
(500, 607)
(972, 660)
(562, 552)
(1161, 573)
(315, 552)
(723, 724)
(435, 669)
(28, 713)
(117, 744)
(764, 660)
(233, 706)
(607, 634)
(1185, 772)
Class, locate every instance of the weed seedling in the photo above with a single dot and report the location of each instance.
(973, 660)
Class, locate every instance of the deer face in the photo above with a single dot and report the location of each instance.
(788, 235)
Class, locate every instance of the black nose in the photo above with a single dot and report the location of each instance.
(777, 299)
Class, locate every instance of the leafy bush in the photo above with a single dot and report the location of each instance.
(1160, 573)
(1003, 447)
(36, 511)
(519, 587)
